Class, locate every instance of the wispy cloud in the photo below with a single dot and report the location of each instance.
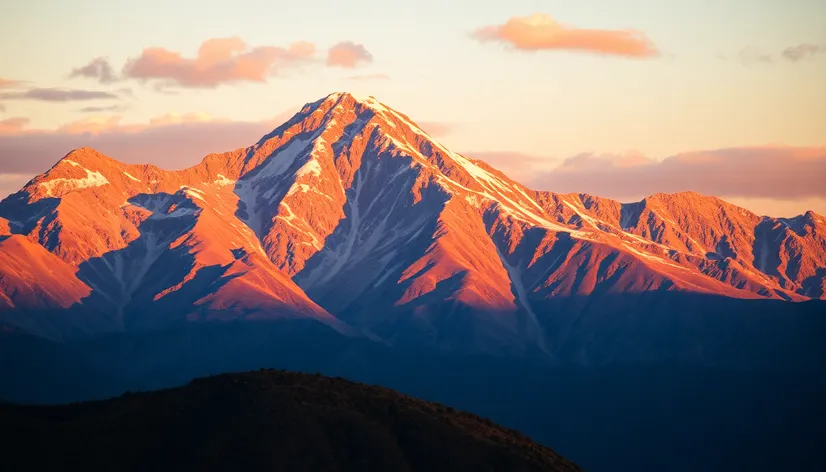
(751, 55)
(365, 77)
(348, 54)
(6, 83)
(99, 69)
(436, 128)
(543, 32)
(14, 124)
(219, 61)
(802, 51)
(170, 141)
(58, 95)
(104, 109)
(519, 166)
(777, 172)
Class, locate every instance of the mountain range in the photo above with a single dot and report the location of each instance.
(351, 215)
(680, 332)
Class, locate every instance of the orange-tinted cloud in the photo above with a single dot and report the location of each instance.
(219, 61)
(348, 54)
(6, 83)
(13, 125)
(542, 32)
(768, 172)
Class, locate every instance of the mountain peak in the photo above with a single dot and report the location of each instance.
(351, 210)
(83, 156)
(336, 96)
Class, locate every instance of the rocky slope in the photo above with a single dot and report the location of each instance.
(351, 215)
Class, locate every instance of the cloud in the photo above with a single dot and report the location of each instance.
(219, 61)
(751, 55)
(348, 54)
(522, 168)
(58, 95)
(169, 141)
(98, 69)
(106, 109)
(6, 83)
(2, 108)
(13, 124)
(366, 77)
(542, 32)
(435, 128)
(768, 172)
(802, 51)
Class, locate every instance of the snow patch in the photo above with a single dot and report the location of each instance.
(222, 181)
(132, 177)
(92, 179)
(282, 159)
(311, 167)
(532, 327)
(194, 193)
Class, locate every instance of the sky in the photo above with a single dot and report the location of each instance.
(619, 98)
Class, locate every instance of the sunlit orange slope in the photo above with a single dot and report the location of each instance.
(352, 215)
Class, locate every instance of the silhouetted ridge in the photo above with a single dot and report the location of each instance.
(266, 420)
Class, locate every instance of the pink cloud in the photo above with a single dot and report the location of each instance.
(435, 128)
(542, 32)
(219, 61)
(520, 167)
(767, 172)
(348, 54)
(13, 125)
(170, 141)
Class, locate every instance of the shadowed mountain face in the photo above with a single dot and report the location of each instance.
(349, 214)
(267, 420)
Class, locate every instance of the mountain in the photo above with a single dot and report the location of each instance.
(350, 215)
(267, 420)
(676, 333)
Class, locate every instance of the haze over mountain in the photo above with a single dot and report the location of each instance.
(351, 215)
